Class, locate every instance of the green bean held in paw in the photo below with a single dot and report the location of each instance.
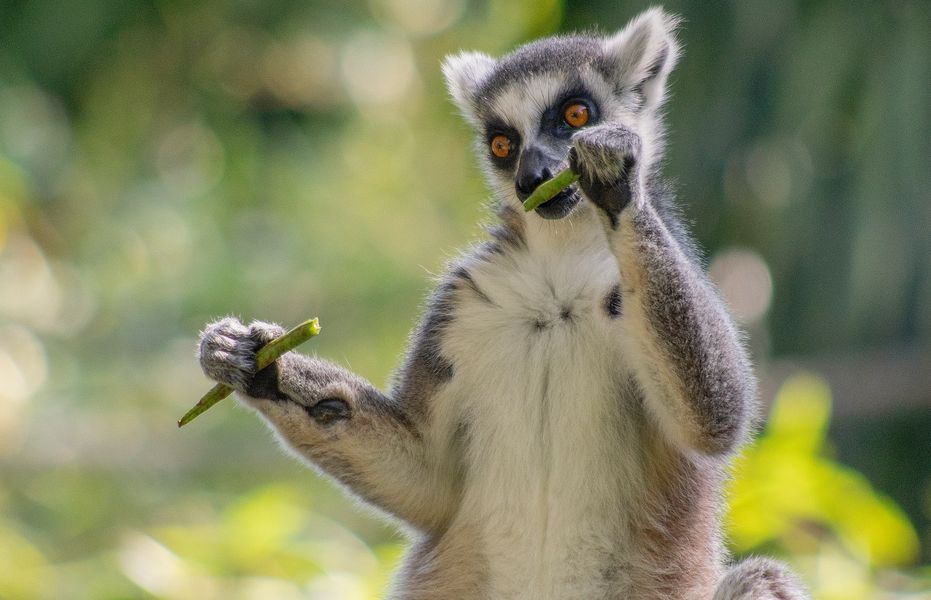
(549, 188)
(264, 357)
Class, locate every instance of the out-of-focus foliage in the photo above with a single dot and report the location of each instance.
(789, 496)
(165, 162)
(268, 537)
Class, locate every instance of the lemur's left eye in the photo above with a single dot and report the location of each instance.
(501, 146)
(576, 114)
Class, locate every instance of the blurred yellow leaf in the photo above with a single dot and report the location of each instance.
(24, 572)
(264, 520)
(801, 412)
(786, 493)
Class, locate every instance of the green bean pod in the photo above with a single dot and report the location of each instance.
(549, 188)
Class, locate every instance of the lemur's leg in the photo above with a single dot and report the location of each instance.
(759, 579)
(687, 355)
(377, 445)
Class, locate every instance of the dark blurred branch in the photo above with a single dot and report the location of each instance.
(863, 384)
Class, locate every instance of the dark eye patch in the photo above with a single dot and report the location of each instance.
(495, 128)
(552, 121)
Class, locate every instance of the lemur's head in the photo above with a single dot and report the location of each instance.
(526, 106)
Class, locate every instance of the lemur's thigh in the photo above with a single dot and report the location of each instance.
(759, 579)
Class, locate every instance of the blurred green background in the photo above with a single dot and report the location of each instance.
(163, 163)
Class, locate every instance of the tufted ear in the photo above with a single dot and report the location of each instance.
(642, 55)
(464, 73)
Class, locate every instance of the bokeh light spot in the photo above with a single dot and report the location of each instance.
(34, 128)
(377, 68)
(150, 565)
(190, 159)
(301, 72)
(28, 291)
(745, 281)
(23, 370)
(778, 170)
(420, 17)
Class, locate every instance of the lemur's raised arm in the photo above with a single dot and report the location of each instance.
(684, 348)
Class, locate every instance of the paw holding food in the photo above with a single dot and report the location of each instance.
(219, 348)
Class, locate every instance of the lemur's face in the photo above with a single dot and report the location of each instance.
(527, 116)
(526, 106)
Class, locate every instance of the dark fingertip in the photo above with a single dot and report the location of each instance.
(265, 384)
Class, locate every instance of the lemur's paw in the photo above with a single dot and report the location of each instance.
(227, 350)
(607, 157)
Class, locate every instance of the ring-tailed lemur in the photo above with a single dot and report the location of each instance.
(563, 419)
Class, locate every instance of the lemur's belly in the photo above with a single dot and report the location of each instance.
(540, 377)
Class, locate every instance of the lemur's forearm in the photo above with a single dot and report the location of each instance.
(367, 440)
(695, 373)
(686, 353)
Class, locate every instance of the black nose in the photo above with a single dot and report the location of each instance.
(534, 168)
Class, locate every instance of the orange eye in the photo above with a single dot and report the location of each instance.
(501, 146)
(576, 114)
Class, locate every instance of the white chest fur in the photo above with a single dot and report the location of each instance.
(540, 378)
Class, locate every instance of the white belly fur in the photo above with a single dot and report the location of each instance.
(550, 449)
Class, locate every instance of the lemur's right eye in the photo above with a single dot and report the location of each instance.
(501, 146)
(576, 114)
